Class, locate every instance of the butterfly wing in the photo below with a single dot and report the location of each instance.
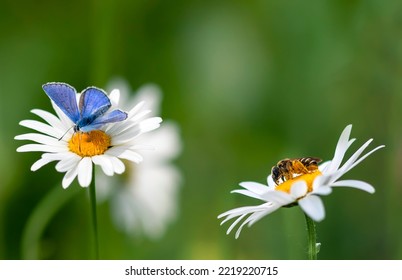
(111, 117)
(93, 103)
(64, 96)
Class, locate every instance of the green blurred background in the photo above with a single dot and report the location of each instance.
(249, 83)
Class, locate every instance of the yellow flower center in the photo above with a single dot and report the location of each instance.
(88, 144)
(308, 178)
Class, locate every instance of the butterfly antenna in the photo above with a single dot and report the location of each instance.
(65, 133)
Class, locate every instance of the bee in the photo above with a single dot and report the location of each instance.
(286, 168)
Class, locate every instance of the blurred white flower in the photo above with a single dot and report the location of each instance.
(145, 200)
(303, 190)
(77, 151)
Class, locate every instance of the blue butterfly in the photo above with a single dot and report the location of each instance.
(93, 105)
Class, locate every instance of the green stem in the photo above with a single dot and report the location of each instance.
(92, 196)
(40, 218)
(312, 238)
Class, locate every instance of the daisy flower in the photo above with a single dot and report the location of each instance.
(303, 190)
(77, 150)
(145, 200)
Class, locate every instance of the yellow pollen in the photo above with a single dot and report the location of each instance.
(88, 144)
(308, 178)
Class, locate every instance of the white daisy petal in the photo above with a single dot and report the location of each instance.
(69, 177)
(150, 124)
(137, 117)
(270, 181)
(324, 166)
(232, 226)
(42, 128)
(114, 97)
(355, 184)
(322, 190)
(131, 156)
(51, 119)
(105, 163)
(254, 187)
(40, 163)
(118, 165)
(119, 128)
(312, 205)
(40, 148)
(126, 136)
(243, 210)
(242, 225)
(248, 193)
(279, 197)
(341, 147)
(299, 189)
(39, 138)
(365, 156)
(257, 212)
(259, 215)
(57, 156)
(125, 152)
(348, 164)
(68, 162)
(67, 123)
(136, 109)
(85, 172)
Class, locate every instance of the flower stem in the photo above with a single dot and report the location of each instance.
(312, 238)
(92, 195)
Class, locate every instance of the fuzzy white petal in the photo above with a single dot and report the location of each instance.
(254, 187)
(279, 197)
(138, 116)
(230, 214)
(41, 148)
(40, 163)
(341, 147)
(126, 136)
(42, 128)
(136, 109)
(270, 181)
(164, 143)
(248, 193)
(68, 162)
(355, 184)
(118, 165)
(150, 124)
(313, 206)
(39, 138)
(105, 163)
(322, 190)
(85, 172)
(114, 97)
(298, 189)
(131, 156)
(69, 177)
(49, 118)
(349, 163)
(365, 156)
